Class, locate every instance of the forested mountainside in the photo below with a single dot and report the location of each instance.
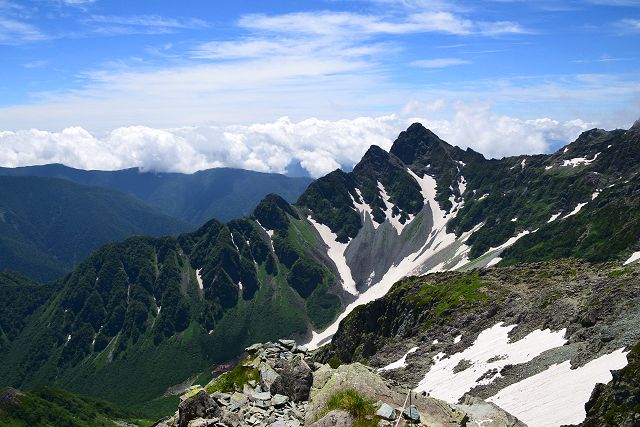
(220, 193)
(49, 225)
(136, 319)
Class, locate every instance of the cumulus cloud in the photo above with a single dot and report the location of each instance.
(319, 146)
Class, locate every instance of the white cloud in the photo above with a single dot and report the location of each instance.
(354, 24)
(319, 145)
(629, 25)
(439, 62)
(14, 32)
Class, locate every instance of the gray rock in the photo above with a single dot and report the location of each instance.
(263, 395)
(202, 422)
(267, 376)
(199, 406)
(279, 400)
(287, 343)
(387, 412)
(411, 413)
(253, 348)
(231, 419)
(335, 418)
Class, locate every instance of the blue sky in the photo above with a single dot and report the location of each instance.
(102, 65)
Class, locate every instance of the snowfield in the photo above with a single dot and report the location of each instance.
(490, 352)
(557, 396)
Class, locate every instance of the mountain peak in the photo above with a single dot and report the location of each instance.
(414, 143)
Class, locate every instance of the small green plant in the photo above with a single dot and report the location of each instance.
(617, 273)
(234, 379)
(334, 362)
(354, 403)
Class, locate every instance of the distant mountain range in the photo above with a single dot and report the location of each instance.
(220, 193)
(53, 216)
(140, 316)
(48, 225)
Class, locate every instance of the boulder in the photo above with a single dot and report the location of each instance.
(267, 376)
(411, 413)
(327, 382)
(387, 412)
(294, 380)
(335, 418)
(199, 406)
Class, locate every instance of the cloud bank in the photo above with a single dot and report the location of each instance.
(319, 146)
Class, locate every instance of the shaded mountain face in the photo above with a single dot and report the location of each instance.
(118, 323)
(221, 193)
(48, 225)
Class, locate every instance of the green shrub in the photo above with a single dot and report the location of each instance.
(354, 403)
(334, 362)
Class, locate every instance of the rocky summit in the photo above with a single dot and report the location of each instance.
(282, 385)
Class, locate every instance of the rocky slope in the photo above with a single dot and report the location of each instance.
(279, 385)
(516, 336)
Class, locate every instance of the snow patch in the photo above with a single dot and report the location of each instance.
(400, 363)
(492, 350)
(457, 339)
(633, 258)
(576, 210)
(395, 221)
(514, 219)
(554, 217)
(557, 395)
(335, 251)
(199, 279)
(462, 185)
(484, 196)
(579, 161)
(494, 261)
(364, 208)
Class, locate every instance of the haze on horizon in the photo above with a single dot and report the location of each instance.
(270, 86)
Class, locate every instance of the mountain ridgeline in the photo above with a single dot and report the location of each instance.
(221, 193)
(138, 318)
